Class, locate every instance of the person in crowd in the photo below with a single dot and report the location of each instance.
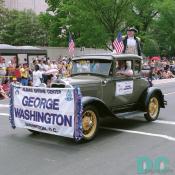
(123, 68)
(24, 70)
(131, 42)
(54, 65)
(14, 61)
(15, 81)
(41, 65)
(49, 80)
(6, 86)
(17, 74)
(2, 93)
(3, 69)
(10, 69)
(34, 62)
(37, 76)
(46, 67)
(167, 73)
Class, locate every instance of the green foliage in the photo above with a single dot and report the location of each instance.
(154, 19)
(22, 28)
(164, 27)
(143, 13)
(92, 23)
(2, 17)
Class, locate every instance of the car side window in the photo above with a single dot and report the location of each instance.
(137, 67)
(124, 68)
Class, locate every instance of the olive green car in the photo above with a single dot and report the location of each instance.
(107, 93)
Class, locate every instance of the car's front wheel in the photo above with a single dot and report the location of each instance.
(90, 122)
(153, 108)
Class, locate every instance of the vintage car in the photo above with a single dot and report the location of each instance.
(108, 91)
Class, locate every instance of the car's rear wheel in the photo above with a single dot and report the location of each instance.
(153, 108)
(90, 122)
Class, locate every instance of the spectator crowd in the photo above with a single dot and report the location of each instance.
(46, 70)
(39, 71)
(159, 69)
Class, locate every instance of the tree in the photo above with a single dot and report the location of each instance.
(32, 32)
(22, 28)
(164, 27)
(8, 27)
(53, 27)
(1, 6)
(154, 19)
(2, 18)
(143, 13)
(92, 22)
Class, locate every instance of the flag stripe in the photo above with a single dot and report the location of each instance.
(71, 46)
(118, 43)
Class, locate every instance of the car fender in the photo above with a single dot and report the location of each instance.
(144, 99)
(102, 109)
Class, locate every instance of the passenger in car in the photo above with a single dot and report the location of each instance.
(124, 68)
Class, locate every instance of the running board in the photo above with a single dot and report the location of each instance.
(130, 114)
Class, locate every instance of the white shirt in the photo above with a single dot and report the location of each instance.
(46, 67)
(2, 69)
(41, 67)
(127, 71)
(131, 41)
(53, 66)
(37, 75)
(131, 46)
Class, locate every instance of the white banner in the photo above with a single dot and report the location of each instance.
(124, 88)
(48, 110)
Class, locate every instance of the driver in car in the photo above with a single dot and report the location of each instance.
(123, 68)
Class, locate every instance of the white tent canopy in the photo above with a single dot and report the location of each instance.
(6, 49)
(9, 50)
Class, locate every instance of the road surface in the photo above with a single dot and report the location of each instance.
(115, 150)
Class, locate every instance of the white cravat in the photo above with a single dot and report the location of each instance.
(131, 46)
(131, 41)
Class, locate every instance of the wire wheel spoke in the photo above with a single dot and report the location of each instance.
(89, 123)
(153, 107)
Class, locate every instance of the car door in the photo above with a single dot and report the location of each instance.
(122, 88)
(140, 85)
(122, 92)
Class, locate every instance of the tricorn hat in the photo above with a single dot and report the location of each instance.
(132, 29)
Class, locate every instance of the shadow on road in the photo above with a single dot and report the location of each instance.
(66, 144)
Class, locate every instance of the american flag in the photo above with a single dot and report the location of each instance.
(71, 45)
(118, 43)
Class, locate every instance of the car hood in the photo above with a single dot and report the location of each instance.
(89, 85)
(83, 80)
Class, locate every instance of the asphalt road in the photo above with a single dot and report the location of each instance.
(112, 152)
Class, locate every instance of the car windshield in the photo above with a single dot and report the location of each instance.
(93, 66)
